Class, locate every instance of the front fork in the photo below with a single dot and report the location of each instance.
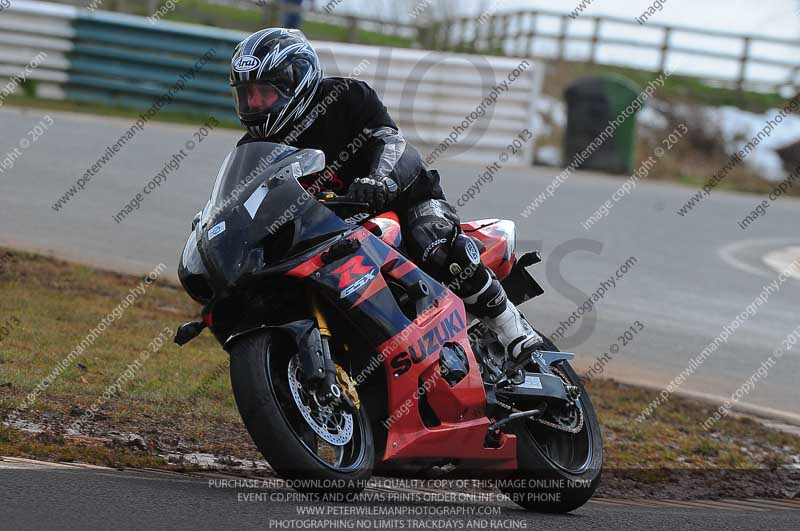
(337, 385)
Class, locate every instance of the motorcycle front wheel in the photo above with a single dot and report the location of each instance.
(316, 448)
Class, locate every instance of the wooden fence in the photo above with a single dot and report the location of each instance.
(522, 33)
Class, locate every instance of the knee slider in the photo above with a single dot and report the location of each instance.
(464, 257)
(467, 274)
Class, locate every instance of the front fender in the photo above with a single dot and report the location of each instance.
(304, 334)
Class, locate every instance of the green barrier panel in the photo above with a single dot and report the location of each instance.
(156, 58)
(127, 61)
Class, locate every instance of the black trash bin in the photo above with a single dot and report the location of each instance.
(592, 104)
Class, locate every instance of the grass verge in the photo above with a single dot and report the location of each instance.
(254, 18)
(180, 400)
(676, 88)
(165, 116)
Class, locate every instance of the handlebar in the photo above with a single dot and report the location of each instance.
(339, 201)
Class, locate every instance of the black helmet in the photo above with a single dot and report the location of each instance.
(275, 76)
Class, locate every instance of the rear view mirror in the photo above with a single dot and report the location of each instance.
(311, 161)
(188, 331)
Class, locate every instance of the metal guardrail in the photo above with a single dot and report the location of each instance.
(113, 59)
(125, 60)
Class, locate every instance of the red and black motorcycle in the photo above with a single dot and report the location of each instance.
(347, 358)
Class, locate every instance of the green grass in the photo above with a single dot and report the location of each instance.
(253, 19)
(676, 88)
(57, 304)
(182, 395)
(695, 90)
(674, 432)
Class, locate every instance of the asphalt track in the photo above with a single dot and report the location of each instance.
(692, 276)
(47, 496)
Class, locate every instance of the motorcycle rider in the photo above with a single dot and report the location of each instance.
(281, 96)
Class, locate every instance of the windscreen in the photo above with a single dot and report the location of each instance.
(258, 212)
(241, 168)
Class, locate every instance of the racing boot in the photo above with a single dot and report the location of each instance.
(491, 305)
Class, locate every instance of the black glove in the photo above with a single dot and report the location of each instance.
(377, 192)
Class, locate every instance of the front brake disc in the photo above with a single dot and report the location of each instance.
(331, 425)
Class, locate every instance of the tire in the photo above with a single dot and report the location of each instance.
(541, 483)
(259, 366)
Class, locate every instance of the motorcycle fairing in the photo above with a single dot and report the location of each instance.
(497, 237)
(409, 350)
(460, 410)
(388, 226)
(371, 307)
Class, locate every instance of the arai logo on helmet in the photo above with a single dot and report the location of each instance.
(245, 63)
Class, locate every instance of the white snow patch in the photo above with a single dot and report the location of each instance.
(548, 155)
(216, 462)
(739, 127)
(24, 425)
(651, 118)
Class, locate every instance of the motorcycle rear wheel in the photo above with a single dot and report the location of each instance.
(557, 471)
(260, 373)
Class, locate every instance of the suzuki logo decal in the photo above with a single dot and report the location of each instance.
(429, 343)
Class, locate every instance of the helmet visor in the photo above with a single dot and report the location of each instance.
(259, 98)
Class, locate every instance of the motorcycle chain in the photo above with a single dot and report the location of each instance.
(556, 425)
(561, 427)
